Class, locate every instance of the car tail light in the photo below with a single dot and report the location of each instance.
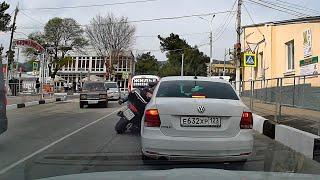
(152, 118)
(246, 120)
(132, 108)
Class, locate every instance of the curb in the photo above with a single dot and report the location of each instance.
(303, 142)
(28, 104)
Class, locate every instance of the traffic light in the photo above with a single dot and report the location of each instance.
(237, 54)
(10, 55)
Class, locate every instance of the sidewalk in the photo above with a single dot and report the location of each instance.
(302, 119)
(25, 98)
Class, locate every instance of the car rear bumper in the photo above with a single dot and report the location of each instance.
(156, 145)
(87, 102)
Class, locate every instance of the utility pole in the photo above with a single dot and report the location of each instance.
(238, 47)
(224, 62)
(210, 66)
(10, 53)
(182, 62)
(13, 28)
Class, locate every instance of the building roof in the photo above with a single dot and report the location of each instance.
(289, 21)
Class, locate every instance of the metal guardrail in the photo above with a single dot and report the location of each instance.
(296, 91)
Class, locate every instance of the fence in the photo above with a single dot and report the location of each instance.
(298, 91)
(285, 100)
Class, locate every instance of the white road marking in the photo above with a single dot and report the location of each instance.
(53, 143)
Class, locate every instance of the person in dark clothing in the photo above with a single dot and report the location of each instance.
(37, 85)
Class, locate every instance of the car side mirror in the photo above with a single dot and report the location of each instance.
(108, 88)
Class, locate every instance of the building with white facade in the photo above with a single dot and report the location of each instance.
(89, 63)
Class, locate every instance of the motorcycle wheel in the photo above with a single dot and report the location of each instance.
(121, 126)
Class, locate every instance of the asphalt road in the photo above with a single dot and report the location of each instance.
(57, 139)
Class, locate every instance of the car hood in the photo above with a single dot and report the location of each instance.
(186, 174)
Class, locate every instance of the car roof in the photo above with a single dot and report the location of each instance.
(193, 78)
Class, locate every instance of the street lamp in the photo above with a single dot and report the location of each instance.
(211, 30)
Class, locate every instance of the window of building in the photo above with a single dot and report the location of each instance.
(93, 64)
(87, 63)
(290, 55)
(102, 65)
(79, 63)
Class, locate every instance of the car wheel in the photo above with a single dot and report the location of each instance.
(81, 105)
(146, 160)
(242, 162)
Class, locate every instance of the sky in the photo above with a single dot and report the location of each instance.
(194, 30)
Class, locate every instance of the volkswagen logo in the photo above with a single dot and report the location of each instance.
(201, 109)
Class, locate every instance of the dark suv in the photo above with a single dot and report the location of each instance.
(94, 93)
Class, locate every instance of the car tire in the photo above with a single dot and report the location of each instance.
(146, 160)
(242, 162)
(81, 105)
(121, 126)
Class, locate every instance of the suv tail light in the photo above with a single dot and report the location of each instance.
(246, 120)
(152, 118)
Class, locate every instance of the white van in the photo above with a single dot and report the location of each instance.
(140, 81)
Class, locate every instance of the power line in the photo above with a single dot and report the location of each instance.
(155, 19)
(270, 7)
(88, 6)
(226, 23)
(30, 17)
(189, 34)
(296, 6)
(283, 7)
(245, 8)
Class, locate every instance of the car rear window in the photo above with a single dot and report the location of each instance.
(111, 85)
(93, 86)
(190, 89)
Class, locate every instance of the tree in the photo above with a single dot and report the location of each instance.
(4, 23)
(194, 60)
(110, 36)
(147, 64)
(4, 17)
(60, 35)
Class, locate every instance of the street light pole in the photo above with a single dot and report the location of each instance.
(211, 42)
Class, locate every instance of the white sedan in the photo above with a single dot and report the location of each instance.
(196, 118)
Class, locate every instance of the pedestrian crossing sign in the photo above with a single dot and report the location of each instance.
(249, 60)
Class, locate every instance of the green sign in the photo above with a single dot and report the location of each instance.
(35, 66)
(308, 61)
(125, 75)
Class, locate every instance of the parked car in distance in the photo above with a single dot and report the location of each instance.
(94, 93)
(114, 92)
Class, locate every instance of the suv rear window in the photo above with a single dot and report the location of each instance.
(189, 89)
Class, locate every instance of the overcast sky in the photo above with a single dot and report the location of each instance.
(149, 10)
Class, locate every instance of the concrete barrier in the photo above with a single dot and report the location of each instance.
(258, 122)
(32, 103)
(296, 139)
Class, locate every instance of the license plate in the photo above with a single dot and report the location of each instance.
(128, 114)
(200, 121)
(93, 102)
